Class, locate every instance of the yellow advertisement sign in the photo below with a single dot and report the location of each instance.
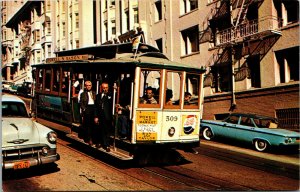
(145, 117)
(146, 136)
(190, 125)
(146, 126)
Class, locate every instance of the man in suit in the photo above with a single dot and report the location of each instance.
(103, 115)
(87, 106)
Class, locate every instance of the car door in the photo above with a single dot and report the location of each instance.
(229, 126)
(246, 129)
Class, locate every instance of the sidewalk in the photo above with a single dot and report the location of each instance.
(293, 160)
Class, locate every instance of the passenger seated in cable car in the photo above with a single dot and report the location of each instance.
(187, 98)
(149, 97)
(169, 96)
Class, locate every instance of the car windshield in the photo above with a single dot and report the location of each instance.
(13, 109)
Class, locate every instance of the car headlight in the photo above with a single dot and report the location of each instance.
(52, 137)
(288, 140)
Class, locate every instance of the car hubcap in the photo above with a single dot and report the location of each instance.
(261, 144)
(207, 134)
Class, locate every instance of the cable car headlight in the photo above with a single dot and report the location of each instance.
(171, 131)
(52, 137)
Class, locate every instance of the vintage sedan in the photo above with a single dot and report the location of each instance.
(260, 131)
(25, 143)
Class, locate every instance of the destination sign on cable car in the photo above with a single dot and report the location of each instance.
(67, 58)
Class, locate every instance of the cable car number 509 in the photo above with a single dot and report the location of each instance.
(171, 118)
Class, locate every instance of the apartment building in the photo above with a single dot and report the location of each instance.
(9, 57)
(254, 60)
(250, 48)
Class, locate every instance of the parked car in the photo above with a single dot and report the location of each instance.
(25, 89)
(261, 131)
(6, 85)
(14, 88)
(25, 143)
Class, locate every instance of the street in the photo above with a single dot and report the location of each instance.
(214, 168)
(135, 95)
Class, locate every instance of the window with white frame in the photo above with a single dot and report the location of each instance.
(158, 10)
(48, 6)
(77, 20)
(136, 15)
(63, 29)
(288, 64)
(38, 57)
(113, 2)
(48, 27)
(127, 20)
(106, 31)
(288, 11)
(49, 50)
(113, 27)
(4, 18)
(77, 44)
(188, 5)
(292, 10)
(190, 40)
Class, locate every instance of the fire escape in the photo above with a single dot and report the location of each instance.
(238, 38)
(25, 52)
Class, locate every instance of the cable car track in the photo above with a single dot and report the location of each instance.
(173, 177)
(263, 164)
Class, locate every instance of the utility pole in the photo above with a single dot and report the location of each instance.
(232, 52)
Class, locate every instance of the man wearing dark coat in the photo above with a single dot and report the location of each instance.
(103, 114)
(87, 106)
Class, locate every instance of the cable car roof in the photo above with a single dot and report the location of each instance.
(111, 54)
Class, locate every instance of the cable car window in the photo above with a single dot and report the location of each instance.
(172, 92)
(78, 84)
(39, 80)
(65, 81)
(47, 79)
(149, 86)
(191, 90)
(56, 78)
(125, 89)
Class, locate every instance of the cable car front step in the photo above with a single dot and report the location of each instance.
(116, 152)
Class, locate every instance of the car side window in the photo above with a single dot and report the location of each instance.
(232, 119)
(257, 122)
(245, 121)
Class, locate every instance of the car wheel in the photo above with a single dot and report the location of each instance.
(260, 145)
(207, 133)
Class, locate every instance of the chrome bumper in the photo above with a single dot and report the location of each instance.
(33, 161)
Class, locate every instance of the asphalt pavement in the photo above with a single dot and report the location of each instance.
(282, 156)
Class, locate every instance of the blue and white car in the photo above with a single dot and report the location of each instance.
(25, 143)
(260, 131)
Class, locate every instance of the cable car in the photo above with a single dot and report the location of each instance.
(172, 119)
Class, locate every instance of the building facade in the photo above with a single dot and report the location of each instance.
(250, 48)
(9, 57)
